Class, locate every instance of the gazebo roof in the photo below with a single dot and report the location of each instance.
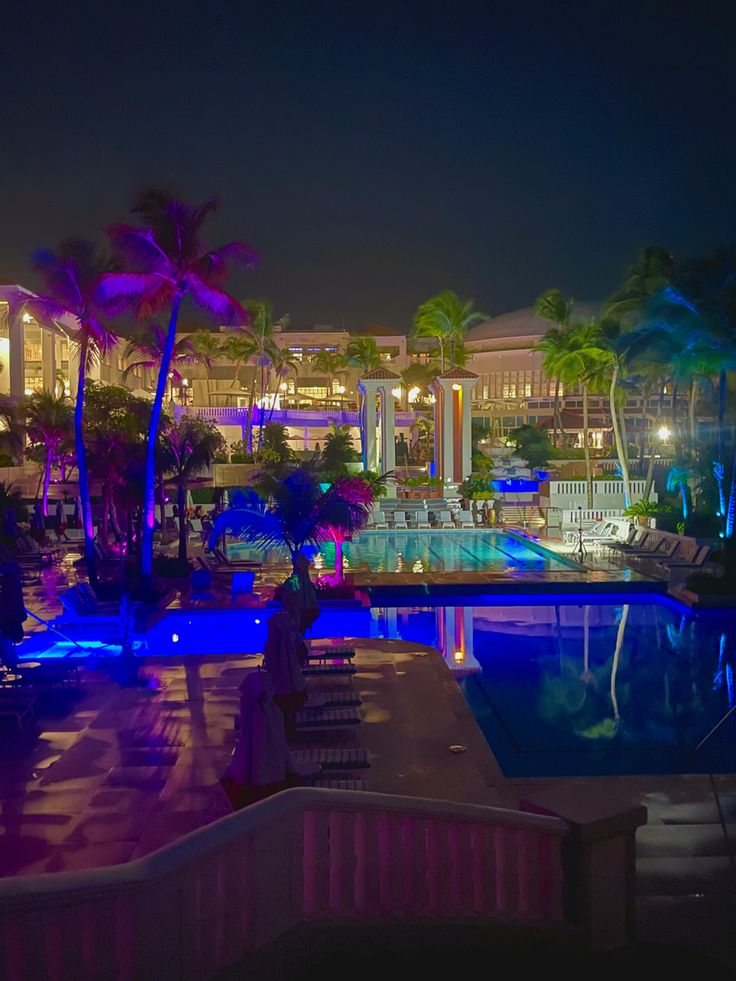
(458, 373)
(380, 374)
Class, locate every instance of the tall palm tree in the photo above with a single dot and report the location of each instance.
(262, 327)
(70, 278)
(448, 318)
(557, 308)
(581, 358)
(206, 348)
(146, 347)
(239, 347)
(330, 364)
(678, 479)
(170, 263)
(187, 448)
(283, 363)
(362, 353)
(49, 421)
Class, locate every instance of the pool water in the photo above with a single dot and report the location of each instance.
(427, 551)
(563, 686)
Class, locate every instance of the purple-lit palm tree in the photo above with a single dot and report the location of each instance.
(70, 277)
(168, 262)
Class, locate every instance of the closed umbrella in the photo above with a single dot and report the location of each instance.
(261, 763)
(283, 656)
(12, 611)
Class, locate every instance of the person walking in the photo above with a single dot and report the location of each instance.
(60, 521)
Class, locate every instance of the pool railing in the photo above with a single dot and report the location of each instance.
(331, 857)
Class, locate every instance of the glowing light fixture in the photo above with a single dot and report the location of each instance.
(413, 393)
(283, 386)
(340, 389)
(175, 638)
(28, 391)
(396, 392)
(26, 318)
(459, 657)
(185, 382)
(456, 387)
(663, 433)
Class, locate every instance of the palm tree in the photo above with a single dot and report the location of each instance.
(300, 512)
(329, 363)
(71, 277)
(557, 308)
(283, 363)
(576, 365)
(362, 353)
(206, 348)
(678, 479)
(147, 347)
(187, 448)
(170, 263)
(338, 450)
(239, 346)
(448, 318)
(262, 328)
(49, 420)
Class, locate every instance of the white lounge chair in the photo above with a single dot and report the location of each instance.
(400, 521)
(420, 519)
(381, 520)
(444, 520)
(465, 519)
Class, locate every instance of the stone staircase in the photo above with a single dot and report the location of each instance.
(527, 517)
(686, 869)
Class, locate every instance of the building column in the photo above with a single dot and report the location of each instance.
(368, 391)
(388, 431)
(17, 332)
(48, 359)
(466, 428)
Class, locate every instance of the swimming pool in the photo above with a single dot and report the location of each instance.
(432, 551)
(570, 686)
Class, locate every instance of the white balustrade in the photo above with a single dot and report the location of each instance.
(199, 904)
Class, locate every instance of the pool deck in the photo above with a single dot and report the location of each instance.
(117, 772)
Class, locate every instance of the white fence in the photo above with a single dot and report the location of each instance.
(571, 494)
(199, 904)
(235, 416)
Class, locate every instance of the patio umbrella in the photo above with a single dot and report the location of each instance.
(283, 656)
(261, 763)
(12, 611)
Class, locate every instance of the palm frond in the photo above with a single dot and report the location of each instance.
(216, 302)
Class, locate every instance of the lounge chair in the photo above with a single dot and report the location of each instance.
(381, 520)
(17, 706)
(225, 560)
(195, 528)
(327, 668)
(327, 718)
(330, 652)
(465, 519)
(697, 560)
(400, 521)
(444, 520)
(662, 550)
(243, 581)
(636, 540)
(332, 699)
(333, 758)
(420, 520)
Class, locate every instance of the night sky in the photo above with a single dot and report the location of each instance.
(376, 153)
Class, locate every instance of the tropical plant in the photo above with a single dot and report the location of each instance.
(557, 308)
(146, 349)
(300, 511)
(330, 364)
(239, 346)
(262, 328)
(447, 318)
(115, 425)
(362, 353)
(170, 263)
(337, 450)
(274, 448)
(581, 357)
(645, 509)
(476, 483)
(49, 421)
(187, 448)
(678, 482)
(70, 280)
(532, 444)
(283, 362)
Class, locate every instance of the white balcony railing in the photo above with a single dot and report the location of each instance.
(199, 904)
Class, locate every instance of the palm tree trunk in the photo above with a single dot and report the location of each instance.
(339, 559)
(181, 500)
(90, 557)
(556, 413)
(442, 352)
(691, 413)
(47, 480)
(731, 510)
(249, 420)
(149, 490)
(620, 451)
(586, 449)
(105, 519)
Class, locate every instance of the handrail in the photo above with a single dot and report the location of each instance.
(199, 904)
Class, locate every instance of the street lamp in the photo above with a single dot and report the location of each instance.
(664, 433)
